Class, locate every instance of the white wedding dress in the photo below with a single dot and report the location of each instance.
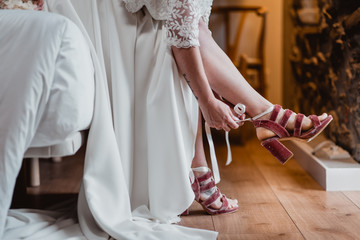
(136, 174)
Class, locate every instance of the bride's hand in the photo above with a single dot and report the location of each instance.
(218, 115)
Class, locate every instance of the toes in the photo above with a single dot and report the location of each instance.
(323, 116)
(233, 203)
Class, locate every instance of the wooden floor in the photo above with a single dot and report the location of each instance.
(276, 202)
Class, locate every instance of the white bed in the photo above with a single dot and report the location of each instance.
(68, 110)
(70, 75)
(46, 91)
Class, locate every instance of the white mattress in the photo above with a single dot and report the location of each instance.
(65, 66)
(70, 105)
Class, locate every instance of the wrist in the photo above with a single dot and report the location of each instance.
(206, 100)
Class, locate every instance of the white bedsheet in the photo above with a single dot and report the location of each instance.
(70, 105)
(46, 88)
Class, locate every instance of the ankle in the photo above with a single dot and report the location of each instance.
(263, 133)
(260, 111)
(200, 170)
(264, 113)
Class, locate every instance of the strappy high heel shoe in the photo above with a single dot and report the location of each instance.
(273, 144)
(205, 185)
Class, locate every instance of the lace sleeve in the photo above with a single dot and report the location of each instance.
(22, 4)
(182, 23)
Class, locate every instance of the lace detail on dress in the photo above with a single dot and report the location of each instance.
(181, 18)
(22, 4)
(157, 8)
(182, 23)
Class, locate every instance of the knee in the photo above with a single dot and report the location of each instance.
(204, 33)
(203, 28)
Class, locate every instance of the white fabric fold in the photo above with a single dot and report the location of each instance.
(137, 163)
(30, 60)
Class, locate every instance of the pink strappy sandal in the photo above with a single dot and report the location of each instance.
(273, 145)
(206, 183)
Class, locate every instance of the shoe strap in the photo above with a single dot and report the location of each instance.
(196, 189)
(214, 163)
(269, 110)
(298, 124)
(271, 124)
(213, 197)
(240, 109)
(204, 177)
(225, 203)
(285, 118)
(275, 113)
(208, 186)
(276, 128)
(201, 169)
(315, 120)
(206, 182)
(229, 155)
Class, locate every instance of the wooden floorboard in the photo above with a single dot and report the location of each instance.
(282, 236)
(275, 201)
(59, 182)
(260, 211)
(197, 218)
(60, 178)
(316, 213)
(354, 197)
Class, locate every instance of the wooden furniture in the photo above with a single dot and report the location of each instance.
(29, 175)
(66, 148)
(244, 63)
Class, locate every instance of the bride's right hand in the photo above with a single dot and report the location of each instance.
(218, 115)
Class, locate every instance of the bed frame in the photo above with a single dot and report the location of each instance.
(67, 148)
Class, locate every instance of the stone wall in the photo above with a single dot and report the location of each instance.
(325, 62)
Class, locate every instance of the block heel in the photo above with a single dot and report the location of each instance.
(277, 149)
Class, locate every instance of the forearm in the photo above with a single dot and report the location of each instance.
(191, 67)
(216, 113)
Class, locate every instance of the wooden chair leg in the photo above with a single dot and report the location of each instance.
(34, 169)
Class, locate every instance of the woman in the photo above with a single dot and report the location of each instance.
(155, 113)
(205, 68)
(155, 117)
(128, 190)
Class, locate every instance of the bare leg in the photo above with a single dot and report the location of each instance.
(199, 158)
(224, 77)
(226, 80)
(216, 113)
